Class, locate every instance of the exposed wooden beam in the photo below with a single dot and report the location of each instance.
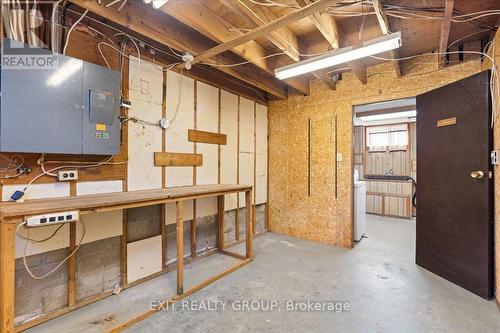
(445, 31)
(359, 70)
(267, 28)
(159, 27)
(328, 27)
(383, 22)
(197, 15)
(284, 38)
(325, 23)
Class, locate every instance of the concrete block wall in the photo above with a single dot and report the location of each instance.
(35, 297)
(98, 267)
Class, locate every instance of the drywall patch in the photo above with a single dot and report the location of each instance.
(137, 266)
(96, 187)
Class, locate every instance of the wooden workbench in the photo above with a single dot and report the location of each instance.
(12, 213)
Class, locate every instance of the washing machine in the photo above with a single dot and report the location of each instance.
(359, 207)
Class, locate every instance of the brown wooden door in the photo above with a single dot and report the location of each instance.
(454, 219)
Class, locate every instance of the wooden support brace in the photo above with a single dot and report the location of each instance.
(220, 218)
(72, 265)
(249, 223)
(180, 247)
(7, 277)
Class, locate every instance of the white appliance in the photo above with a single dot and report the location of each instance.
(359, 207)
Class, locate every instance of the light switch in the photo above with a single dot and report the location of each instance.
(339, 157)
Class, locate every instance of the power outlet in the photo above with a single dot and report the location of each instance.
(68, 175)
(55, 218)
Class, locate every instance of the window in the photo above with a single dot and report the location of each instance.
(387, 138)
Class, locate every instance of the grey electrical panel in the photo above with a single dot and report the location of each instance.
(72, 107)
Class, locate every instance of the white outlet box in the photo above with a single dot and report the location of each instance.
(54, 218)
(68, 175)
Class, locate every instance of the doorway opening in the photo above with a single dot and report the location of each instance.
(384, 166)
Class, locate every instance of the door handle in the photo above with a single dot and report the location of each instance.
(477, 174)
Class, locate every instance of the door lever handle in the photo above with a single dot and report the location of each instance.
(477, 174)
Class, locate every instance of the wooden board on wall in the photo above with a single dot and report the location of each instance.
(229, 152)
(177, 159)
(145, 94)
(206, 137)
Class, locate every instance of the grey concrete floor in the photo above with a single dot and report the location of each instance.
(386, 291)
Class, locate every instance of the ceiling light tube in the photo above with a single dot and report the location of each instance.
(341, 56)
(158, 3)
(393, 115)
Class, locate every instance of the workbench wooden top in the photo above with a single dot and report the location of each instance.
(117, 200)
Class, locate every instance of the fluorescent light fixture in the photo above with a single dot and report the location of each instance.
(392, 115)
(158, 3)
(147, 1)
(341, 56)
(64, 72)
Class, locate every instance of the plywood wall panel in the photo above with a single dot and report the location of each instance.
(207, 119)
(177, 133)
(229, 152)
(145, 94)
(246, 125)
(322, 217)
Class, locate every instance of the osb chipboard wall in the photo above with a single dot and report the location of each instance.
(321, 216)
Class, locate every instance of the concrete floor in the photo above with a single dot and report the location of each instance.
(387, 292)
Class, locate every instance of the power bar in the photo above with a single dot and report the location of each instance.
(54, 218)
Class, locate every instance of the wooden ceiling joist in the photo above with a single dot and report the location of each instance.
(327, 25)
(210, 24)
(267, 28)
(283, 38)
(445, 31)
(383, 21)
(161, 28)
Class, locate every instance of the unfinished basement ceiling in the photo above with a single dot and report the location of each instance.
(202, 25)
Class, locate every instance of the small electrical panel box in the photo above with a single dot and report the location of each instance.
(55, 218)
(71, 107)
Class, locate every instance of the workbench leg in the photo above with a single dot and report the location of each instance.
(7, 277)
(72, 265)
(249, 224)
(180, 247)
(220, 218)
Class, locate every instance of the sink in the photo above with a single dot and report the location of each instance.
(387, 177)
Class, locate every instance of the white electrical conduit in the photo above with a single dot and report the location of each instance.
(53, 30)
(71, 30)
